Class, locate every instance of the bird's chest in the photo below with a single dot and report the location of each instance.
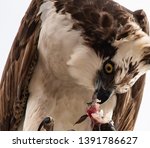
(68, 106)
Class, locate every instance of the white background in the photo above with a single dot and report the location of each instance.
(79, 139)
(89, 139)
(11, 13)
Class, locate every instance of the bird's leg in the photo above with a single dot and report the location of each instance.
(47, 124)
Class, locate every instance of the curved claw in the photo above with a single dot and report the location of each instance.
(47, 124)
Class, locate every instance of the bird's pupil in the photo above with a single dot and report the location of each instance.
(108, 68)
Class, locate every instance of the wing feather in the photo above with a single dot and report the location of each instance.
(19, 68)
(128, 104)
(20, 65)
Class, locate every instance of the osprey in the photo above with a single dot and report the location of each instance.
(67, 52)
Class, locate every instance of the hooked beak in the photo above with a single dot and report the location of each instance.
(102, 94)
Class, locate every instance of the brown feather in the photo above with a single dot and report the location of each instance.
(23, 57)
(19, 68)
(128, 104)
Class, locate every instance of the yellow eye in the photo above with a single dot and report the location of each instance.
(108, 68)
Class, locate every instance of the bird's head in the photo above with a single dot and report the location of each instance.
(130, 61)
(116, 67)
(114, 50)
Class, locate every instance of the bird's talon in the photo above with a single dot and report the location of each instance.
(47, 124)
(104, 127)
(108, 126)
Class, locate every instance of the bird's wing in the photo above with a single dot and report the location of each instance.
(19, 68)
(128, 104)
